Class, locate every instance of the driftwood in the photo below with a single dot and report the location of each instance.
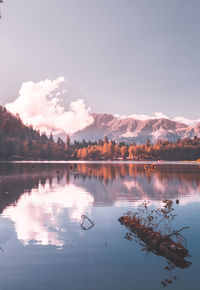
(157, 243)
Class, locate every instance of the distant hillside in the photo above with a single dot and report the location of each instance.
(18, 141)
(133, 130)
(11, 125)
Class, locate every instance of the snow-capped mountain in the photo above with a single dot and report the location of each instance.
(133, 130)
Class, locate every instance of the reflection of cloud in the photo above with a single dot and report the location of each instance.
(136, 203)
(37, 215)
(158, 188)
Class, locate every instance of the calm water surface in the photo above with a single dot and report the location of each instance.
(43, 245)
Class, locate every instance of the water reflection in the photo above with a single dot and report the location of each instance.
(42, 193)
(37, 215)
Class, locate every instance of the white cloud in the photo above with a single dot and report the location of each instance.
(158, 115)
(142, 117)
(39, 104)
(187, 121)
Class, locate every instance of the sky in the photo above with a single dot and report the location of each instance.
(118, 56)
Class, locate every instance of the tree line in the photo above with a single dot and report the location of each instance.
(183, 149)
(18, 142)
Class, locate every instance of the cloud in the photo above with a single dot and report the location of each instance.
(142, 117)
(187, 121)
(39, 104)
(158, 115)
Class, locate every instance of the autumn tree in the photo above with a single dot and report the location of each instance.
(131, 151)
(110, 150)
(105, 151)
(79, 153)
(117, 152)
(84, 154)
(124, 151)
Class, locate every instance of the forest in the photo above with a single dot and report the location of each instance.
(20, 142)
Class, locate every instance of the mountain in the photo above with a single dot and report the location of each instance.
(133, 130)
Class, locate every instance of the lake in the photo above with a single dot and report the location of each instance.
(60, 229)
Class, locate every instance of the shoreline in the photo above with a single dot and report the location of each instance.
(142, 162)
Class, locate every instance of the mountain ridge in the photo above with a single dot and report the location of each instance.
(133, 130)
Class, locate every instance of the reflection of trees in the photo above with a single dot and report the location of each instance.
(15, 179)
(143, 182)
(108, 172)
(107, 182)
(152, 230)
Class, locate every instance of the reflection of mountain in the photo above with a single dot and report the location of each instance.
(131, 182)
(106, 182)
(34, 197)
